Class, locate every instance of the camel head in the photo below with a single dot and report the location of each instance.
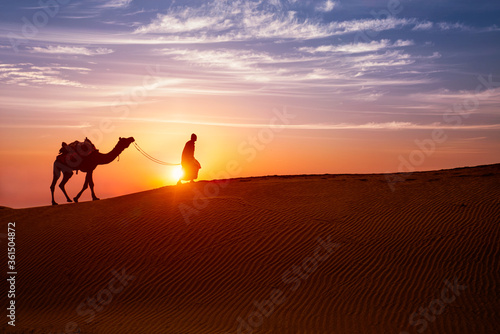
(125, 142)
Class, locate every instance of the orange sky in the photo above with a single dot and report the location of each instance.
(415, 89)
(235, 151)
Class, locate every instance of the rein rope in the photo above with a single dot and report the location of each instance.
(152, 158)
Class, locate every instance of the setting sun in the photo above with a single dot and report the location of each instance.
(176, 173)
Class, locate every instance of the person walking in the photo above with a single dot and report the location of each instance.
(190, 166)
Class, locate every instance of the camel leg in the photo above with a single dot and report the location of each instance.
(66, 176)
(55, 177)
(85, 186)
(91, 184)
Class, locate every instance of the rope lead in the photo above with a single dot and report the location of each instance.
(152, 158)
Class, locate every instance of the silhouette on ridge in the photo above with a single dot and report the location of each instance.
(85, 157)
(190, 166)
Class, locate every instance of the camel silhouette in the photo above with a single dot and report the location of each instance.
(84, 157)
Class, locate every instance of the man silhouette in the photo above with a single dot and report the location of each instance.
(190, 165)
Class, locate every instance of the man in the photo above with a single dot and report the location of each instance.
(190, 165)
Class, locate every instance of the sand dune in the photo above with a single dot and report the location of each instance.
(299, 254)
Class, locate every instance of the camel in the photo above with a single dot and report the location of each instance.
(84, 157)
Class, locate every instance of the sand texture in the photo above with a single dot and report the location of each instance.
(320, 254)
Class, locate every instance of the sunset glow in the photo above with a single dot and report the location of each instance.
(269, 87)
(176, 173)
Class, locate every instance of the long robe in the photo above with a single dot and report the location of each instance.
(190, 165)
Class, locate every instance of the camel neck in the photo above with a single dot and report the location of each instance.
(106, 158)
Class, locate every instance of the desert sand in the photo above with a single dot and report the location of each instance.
(309, 254)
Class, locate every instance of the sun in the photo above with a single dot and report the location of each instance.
(177, 173)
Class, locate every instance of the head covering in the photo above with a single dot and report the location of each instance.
(193, 137)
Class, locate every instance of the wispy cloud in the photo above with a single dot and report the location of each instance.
(385, 60)
(450, 26)
(356, 71)
(116, 4)
(71, 50)
(213, 15)
(250, 20)
(460, 99)
(249, 66)
(394, 125)
(492, 28)
(302, 71)
(28, 75)
(327, 6)
(359, 47)
(231, 58)
(426, 25)
(83, 10)
(43, 126)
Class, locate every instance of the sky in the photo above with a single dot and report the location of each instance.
(270, 87)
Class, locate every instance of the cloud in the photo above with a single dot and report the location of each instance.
(214, 15)
(81, 10)
(247, 67)
(327, 6)
(244, 72)
(116, 4)
(392, 125)
(423, 26)
(387, 57)
(229, 58)
(183, 23)
(492, 28)
(28, 75)
(218, 21)
(71, 50)
(435, 55)
(446, 26)
(402, 43)
(43, 126)
(370, 25)
(370, 97)
(386, 63)
(225, 58)
(294, 70)
(453, 26)
(358, 47)
(82, 70)
(473, 100)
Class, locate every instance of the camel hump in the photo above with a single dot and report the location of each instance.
(81, 148)
(72, 147)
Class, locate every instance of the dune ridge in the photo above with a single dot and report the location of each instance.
(387, 255)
